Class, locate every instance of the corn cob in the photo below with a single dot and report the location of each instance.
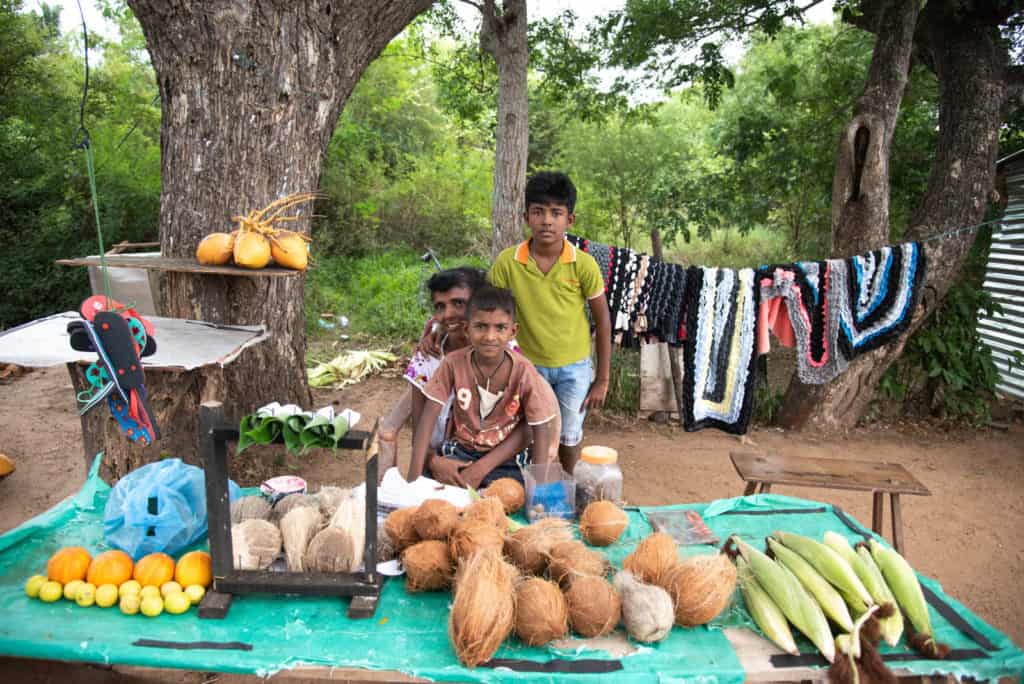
(903, 583)
(790, 597)
(828, 563)
(838, 543)
(763, 609)
(892, 626)
(824, 593)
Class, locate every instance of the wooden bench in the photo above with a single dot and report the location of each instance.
(764, 470)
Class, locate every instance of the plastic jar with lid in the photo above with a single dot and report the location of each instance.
(597, 476)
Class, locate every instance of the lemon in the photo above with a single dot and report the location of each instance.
(149, 591)
(177, 603)
(195, 593)
(106, 595)
(152, 605)
(50, 592)
(71, 589)
(168, 588)
(129, 587)
(130, 604)
(34, 584)
(86, 595)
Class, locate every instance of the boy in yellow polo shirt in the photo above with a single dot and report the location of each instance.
(553, 283)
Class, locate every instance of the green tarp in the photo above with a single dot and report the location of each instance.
(264, 634)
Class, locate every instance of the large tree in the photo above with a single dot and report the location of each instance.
(966, 43)
(250, 93)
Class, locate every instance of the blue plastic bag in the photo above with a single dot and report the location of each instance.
(158, 507)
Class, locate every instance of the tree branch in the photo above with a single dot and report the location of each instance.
(474, 4)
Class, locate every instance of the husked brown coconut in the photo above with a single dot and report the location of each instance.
(435, 519)
(298, 527)
(330, 551)
(509, 491)
(602, 523)
(249, 508)
(483, 612)
(541, 612)
(400, 528)
(701, 587)
(647, 610)
(255, 544)
(594, 606)
(385, 547)
(529, 547)
(329, 497)
(652, 558)
(428, 566)
(350, 518)
(489, 509)
(473, 535)
(571, 560)
(285, 505)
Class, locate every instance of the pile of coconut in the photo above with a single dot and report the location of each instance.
(322, 532)
(539, 582)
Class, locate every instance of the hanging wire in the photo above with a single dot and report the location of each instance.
(85, 144)
(959, 231)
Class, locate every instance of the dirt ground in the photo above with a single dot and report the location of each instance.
(966, 534)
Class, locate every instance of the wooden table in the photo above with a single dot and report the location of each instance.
(764, 470)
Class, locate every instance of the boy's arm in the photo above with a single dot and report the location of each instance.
(603, 339)
(421, 439)
(473, 474)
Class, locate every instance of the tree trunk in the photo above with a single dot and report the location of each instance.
(970, 62)
(503, 36)
(250, 93)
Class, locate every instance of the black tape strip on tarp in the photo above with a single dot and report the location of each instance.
(777, 511)
(850, 523)
(785, 660)
(957, 620)
(583, 666)
(194, 645)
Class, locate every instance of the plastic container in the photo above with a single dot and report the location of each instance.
(550, 492)
(597, 476)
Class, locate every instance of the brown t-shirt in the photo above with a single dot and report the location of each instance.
(527, 395)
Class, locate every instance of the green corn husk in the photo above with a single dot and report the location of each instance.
(792, 599)
(824, 593)
(828, 563)
(838, 543)
(892, 626)
(762, 608)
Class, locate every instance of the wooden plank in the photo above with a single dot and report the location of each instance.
(656, 392)
(218, 505)
(303, 583)
(180, 265)
(827, 472)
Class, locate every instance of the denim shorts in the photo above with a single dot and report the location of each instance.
(571, 384)
(510, 468)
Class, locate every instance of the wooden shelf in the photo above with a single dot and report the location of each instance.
(160, 263)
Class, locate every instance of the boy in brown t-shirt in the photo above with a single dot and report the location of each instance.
(494, 390)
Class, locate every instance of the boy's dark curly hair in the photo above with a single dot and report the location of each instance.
(489, 298)
(551, 186)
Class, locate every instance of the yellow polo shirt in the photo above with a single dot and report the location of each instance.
(550, 309)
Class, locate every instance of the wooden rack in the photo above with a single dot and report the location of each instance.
(161, 263)
(363, 587)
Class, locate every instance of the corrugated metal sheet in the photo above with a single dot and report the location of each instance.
(1004, 278)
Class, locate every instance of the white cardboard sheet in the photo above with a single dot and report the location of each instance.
(180, 343)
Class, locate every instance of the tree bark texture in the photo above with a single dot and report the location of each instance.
(970, 61)
(503, 36)
(250, 93)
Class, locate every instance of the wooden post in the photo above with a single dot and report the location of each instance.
(215, 464)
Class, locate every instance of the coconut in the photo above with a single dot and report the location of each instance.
(473, 535)
(298, 527)
(251, 250)
(529, 546)
(249, 508)
(400, 528)
(490, 509)
(215, 249)
(594, 607)
(510, 492)
(602, 523)
(647, 610)
(701, 587)
(329, 498)
(350, 518)
(285, 505)
(255, 544)
(571, 560)
(289, 250)
(385, 548)
(435, 519)
(541, 612)
(652, 558)
(483, 612)
(428, 566)
(330, 551)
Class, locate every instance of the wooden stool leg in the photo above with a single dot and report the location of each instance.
(897, 523)
(750, 489)
(766, 487)
(877, 513)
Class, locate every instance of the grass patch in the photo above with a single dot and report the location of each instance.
(731, 249)
(624, 382)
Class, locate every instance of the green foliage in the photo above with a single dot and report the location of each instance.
(732, 248)
(624, 382)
